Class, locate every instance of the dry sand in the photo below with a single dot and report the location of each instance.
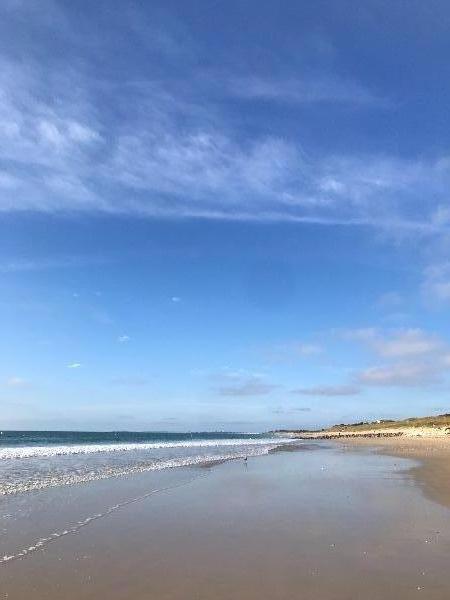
(378, 432)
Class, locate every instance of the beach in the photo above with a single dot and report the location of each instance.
(432, 454)
(334, 521)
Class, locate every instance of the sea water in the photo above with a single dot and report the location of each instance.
(34, 460)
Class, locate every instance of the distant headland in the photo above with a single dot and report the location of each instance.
(435, 426)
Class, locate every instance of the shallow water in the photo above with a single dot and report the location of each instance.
(317, 524)
(36, 460)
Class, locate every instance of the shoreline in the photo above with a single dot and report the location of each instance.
(427, 444)
(432, 474)
(30, 468)
(321, 520)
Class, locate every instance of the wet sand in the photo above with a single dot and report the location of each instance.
(432, 472)
(324, 524)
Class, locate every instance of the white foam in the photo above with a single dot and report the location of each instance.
(71, 478)
(19, 452)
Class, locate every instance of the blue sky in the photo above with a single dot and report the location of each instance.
(223, 215)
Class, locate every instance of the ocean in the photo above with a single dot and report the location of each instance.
(34, 460)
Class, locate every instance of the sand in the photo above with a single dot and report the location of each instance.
(432, 452)
(370, 433)
(327, 523)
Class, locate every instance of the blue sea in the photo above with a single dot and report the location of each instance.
(34, 460)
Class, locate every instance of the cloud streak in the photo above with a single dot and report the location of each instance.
(321, 89)
(242, 384)
(436, 284)
(414, 357)
(42, 264)
(328, 390)
(129, 381)
(16, 382)
(400, 375)
(247, 388)
(398, 344)
(292, 351)
(57, 158)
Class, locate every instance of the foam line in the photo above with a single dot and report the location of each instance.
(20, 452)
(70, 478)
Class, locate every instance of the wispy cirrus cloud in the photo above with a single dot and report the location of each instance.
(291, 410)
(251, 387)
(411, 357)
(307, 90)
(19, 265)
(47, 142)
(403, 358)
(436, 284)
(328, 390)
(241, 384)
(390, 300)
(292, 351)
(57, 157)
(167, 143)
(398, 344)
(130, 381)
(400, 375)
(16, 382)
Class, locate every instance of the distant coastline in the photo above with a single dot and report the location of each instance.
(414, 427)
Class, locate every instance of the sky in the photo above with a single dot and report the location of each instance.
(223, 215)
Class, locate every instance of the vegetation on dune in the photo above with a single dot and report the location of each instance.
(441, 421)
(436, 421)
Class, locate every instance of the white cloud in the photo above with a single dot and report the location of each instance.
(247, 388)
(441, 215)
(123, 339)
(390, 300)
(417, 358)
(329, 390)
(399, 375)
(60, 160)
(241, 383)
(16, 382)
(398, 344)
(130, 381)
(312, 90)
(307, 349)
(291, 410)
(291, 351)
(362, 334)
(436, 284)
(74, 365)
(47, 143)
(40, 264)
(407, 343)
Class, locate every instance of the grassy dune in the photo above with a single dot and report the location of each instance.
(439, 424)
(440, 421)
